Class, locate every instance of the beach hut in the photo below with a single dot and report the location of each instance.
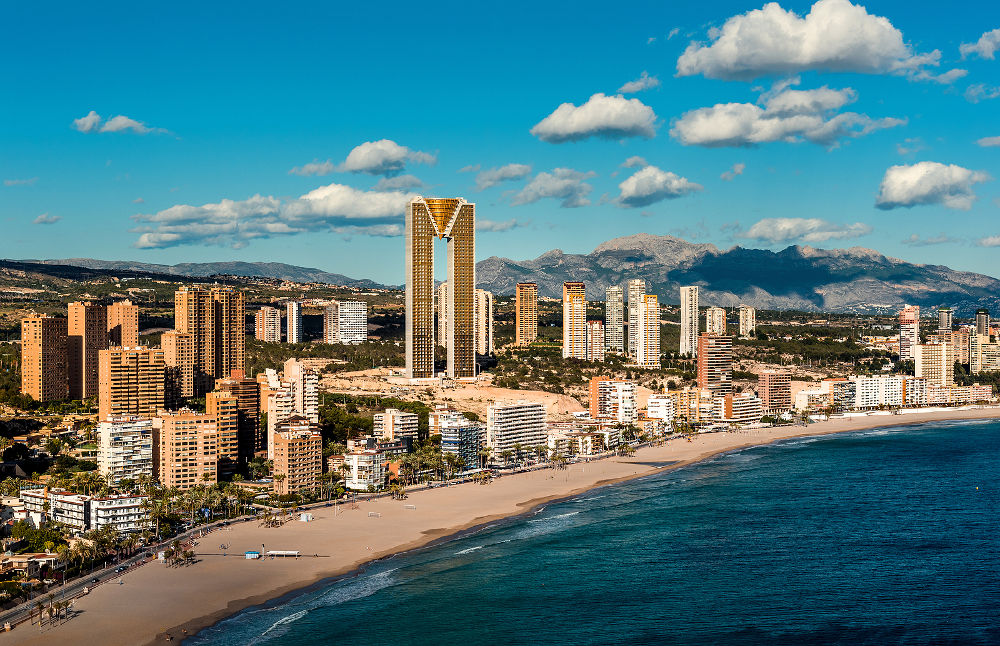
(305, 517)
(251, 555)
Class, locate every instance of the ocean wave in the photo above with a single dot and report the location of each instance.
(470, 549)
(542, 520)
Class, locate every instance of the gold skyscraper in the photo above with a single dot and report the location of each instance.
(454, 220)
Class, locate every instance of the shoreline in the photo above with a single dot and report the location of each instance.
(168, 604)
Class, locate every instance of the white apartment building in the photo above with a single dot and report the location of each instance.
(614, 319)
(345, 322)
(738, 409)
(689, 321)
(508, 424)
(367, 470)
(879, 390)
(595, 341)
(574, 321)
(124, 513)
(267, 324)
(909, 332)
(395, 424)
(304, 384)
(748, 320)
(935, 362)
(715, 321)
(647, 347)
(660, 407)
(482, 321)
(636, 290)
(125, 449)
(85, 513)
(293, 322)
(459, 435)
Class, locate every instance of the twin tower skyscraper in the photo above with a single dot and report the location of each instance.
(452, 219)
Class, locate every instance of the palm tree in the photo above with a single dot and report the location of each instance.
(484, 456)
(506, 456)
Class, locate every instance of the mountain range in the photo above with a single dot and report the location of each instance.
(795, 278)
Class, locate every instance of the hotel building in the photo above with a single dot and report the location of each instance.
(395, 424)
(186, 449)
(298, 455)
(574, 321)
(945, 319)
(508, 424)
(216, 319)
(125, 449)
(909, 332)
(935, 362)
(689, 321)
(614, 319)
(87, 335)
(613, 399)
(647, 348)
(774, 387)
(483, 321)
(636, 290)
(595, 341)
(179, 355)
(123, 324)
(428, 219)
(526, 313)
(715, 363)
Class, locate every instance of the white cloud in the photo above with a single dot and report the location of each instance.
(916, 241)
(20, 182)
(472, 168)
(988, 142)
(644, 82)
(779, 230)
(45, 218)
(611, 117)
(336, 207)
(910, 145)
(929, 183)
(635, 162)
(564, 184)
(787, 115)
(985, 47)
(400, 182)
(383, 157)
(494, 176)
(835, 36)
(947, 78)
(980, 92)
(497, 226)
(651, 185)
(989, 241)
(314, 167)
(120, 123)
(673, 32)
(89, 123)
(737, 169)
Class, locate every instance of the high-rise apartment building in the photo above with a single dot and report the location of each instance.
(454, 220)
(647, 348)
(613, 399)
(304, 384)
(298, 455)
(44, 358)
(715, 321)
(983, 355)
(689, 321)
(125, 449)
(132, 382)
(774, 388)
(186, 449)
(909, 331)
(715, 363)
(180, 357)
(483, 321)
(935, 362)
(983, 322)
(247, 393)
(614, 319)
(293, 322)
(216, 319)
(525, 313)
(395, 424)
(86, 336)
(345, 322)
(959, 340)
(574, 321)
(595, 341)
(460, 436)
(508, 424)
(636, 290)
(123, 324)
(224, 407)
(748, 320)
(267, 324)
(945, 319)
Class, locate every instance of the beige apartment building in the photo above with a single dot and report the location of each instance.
(215, 318)
(179, 355)
(574, 321)
(526, 313)
(186, 449)
(715, 363)
(298, 455)
(123, 324)
(44, 358)
(267, 324)
(132, 382)
(86, 336)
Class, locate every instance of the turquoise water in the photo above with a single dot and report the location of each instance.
(874, 537)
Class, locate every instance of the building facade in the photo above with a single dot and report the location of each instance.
(267, 324)
(526, 313)
(345, 322)
(647, 348)
(636, 289)
(483, 321)
(132, 382)
(123, 324)
(689, 321)
(614, 319)
(179, 355)
(87, 335)
(748, 320)
(394, 424)
(595, 341)
(774, 388)
(44, 358)
(298, 455)
(574, 321)
(935, 362)
(293, 322)
(216, 319)
(715, 363)
(909, 332)
(508, 424)
(186, 449)
(715, 321)
(125, 449)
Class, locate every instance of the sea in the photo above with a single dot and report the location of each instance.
(884, 536)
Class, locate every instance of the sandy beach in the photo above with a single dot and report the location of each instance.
(156, 601)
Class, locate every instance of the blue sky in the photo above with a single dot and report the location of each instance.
(845, 127)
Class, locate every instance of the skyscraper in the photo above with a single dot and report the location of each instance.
(186, 449)
(247, 393)
(935, 362)
(689, 321)
(595, 341)
(267, 325)
(909, 331)
(87, 335)
(614, 319)
(44, 358)
(123, 324)
(647, 348)
(945, 318)
(454, 220)
(483, 321)
(574, 321)
(216, 319)
(345, 322)
(774, 387)
(715, 321)
(132, 382)
(983, 322)
(526, 313)
(715, 363)
(636, 290)
(748, 320)
(293, 322)
(180, 357)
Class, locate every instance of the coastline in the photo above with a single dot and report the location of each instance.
(156, 601)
